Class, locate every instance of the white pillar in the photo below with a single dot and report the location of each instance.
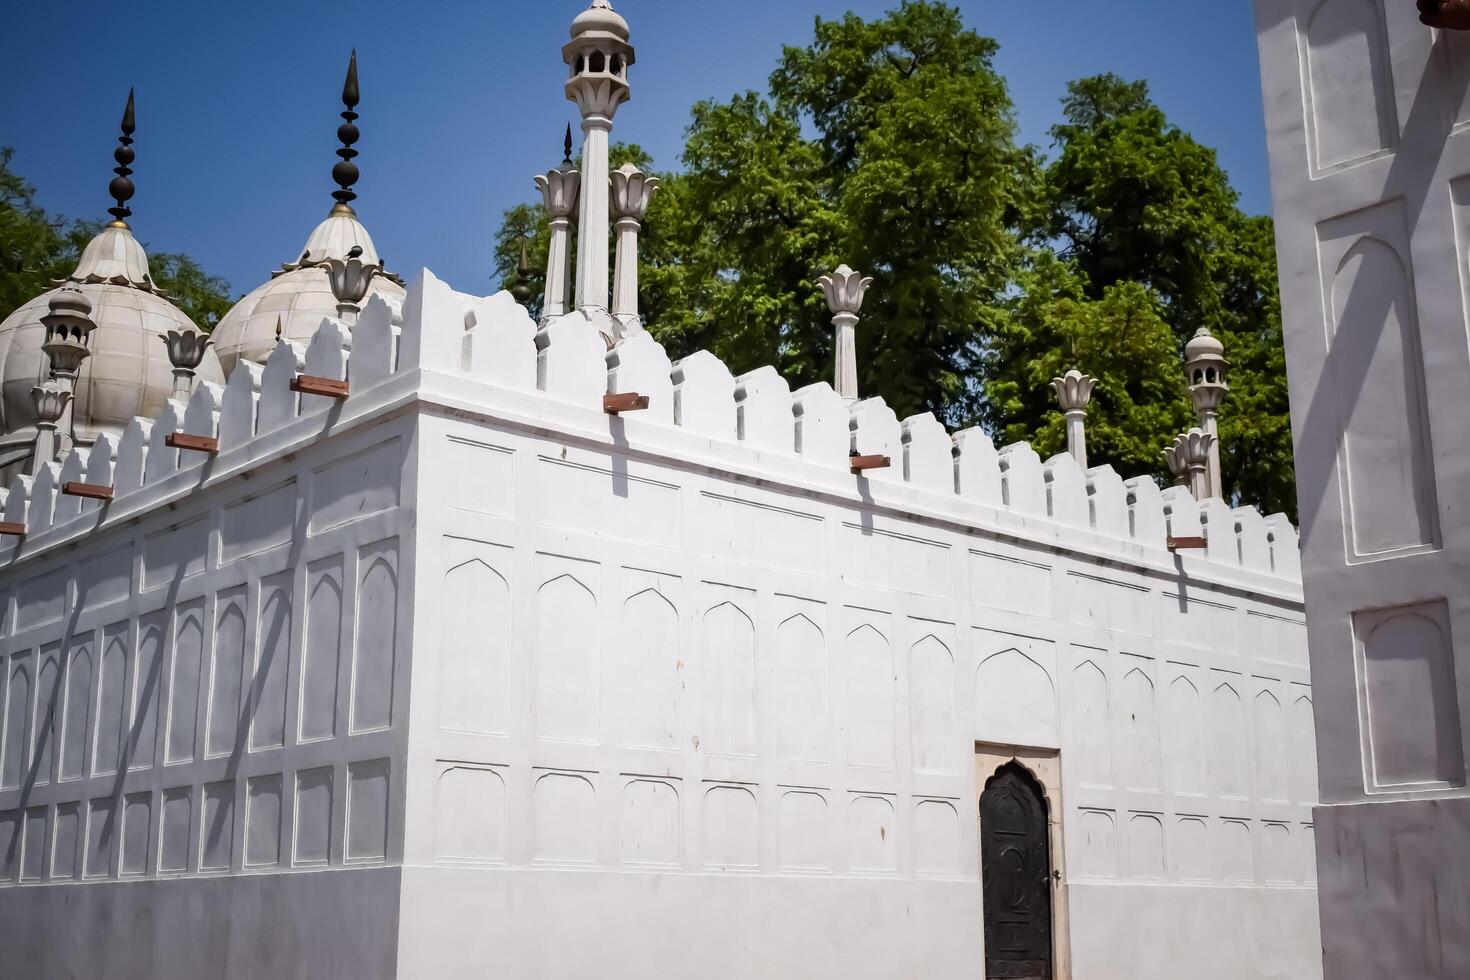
(845, 290)
(53, 403)
(1074, 394)
(560, 192)
(1209, 424)
(632, 190)
(592, 264)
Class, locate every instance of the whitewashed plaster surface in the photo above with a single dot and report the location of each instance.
(462, 675)
(1366, 110)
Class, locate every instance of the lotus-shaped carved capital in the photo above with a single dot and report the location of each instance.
(632, 190)
(1191, 451)
(186, 348)
(1073, 390)
(597, 95)
(51, 400)
(350, 279)
(559, 191)
(845, 290)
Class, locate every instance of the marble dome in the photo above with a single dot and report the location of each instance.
(600, 18)
(299, 295)
(128, 373)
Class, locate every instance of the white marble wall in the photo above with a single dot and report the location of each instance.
(678, 687)
(1365, 112)
(664, 677)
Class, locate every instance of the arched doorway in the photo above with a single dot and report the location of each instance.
(1015, 870)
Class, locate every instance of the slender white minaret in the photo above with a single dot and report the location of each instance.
(845, 290)
(632, 190)
(1204, 360)
(599, 56)
(560, 193)
(69, 327)
(1074, 393)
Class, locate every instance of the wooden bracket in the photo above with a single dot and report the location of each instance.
(12, 529)
(308, 384)
(861, 463)
(89, 490)
(618, 404)
(1187, 544)
(197, 444)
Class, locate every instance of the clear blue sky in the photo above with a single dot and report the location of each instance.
(462, 103)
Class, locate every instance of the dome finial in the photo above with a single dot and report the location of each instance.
(121, 189)
(345, 173)
(566, 160)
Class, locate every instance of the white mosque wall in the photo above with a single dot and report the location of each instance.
(674, 692)
(1366, 111)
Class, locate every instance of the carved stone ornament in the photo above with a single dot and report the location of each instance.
(186, 348)
(845, 290)
(632, 190)
(350, 279)
(51, 399)
(559, 192)
(1073, 390)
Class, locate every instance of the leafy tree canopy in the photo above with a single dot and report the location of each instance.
(890, 144)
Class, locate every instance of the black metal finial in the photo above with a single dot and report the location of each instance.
(121, 189)
(567, 156)
(521, 288)
(345, 173)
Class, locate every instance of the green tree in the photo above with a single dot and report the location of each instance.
(889, 144)
(1120, 338)
(1133, 206)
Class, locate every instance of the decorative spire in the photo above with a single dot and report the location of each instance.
(345, 173)
(566, 160)
(121, 189)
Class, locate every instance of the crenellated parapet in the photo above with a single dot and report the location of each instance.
(486, 349)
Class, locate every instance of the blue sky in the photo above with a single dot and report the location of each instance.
(462, 104)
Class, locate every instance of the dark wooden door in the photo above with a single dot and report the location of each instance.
(1015, 864)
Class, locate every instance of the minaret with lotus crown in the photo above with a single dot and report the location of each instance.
(599, 57)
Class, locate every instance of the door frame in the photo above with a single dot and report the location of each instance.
(1044, 765)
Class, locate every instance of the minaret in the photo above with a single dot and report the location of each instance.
(69, 327)
(1204, 361)
(560, 193)
(599, 56)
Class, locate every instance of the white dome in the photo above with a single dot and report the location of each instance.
(299, 296)
(128, 373)
(600, 18)
(297, 300)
